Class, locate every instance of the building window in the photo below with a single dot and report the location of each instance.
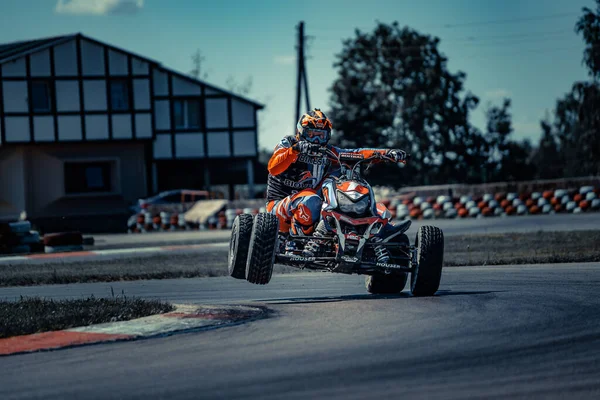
(119, 95)
(40, 96)
(186, 114)
(88, 177)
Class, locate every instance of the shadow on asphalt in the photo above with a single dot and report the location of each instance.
(403, 295)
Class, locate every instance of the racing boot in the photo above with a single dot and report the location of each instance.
(314, 246)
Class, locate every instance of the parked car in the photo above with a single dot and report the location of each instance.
(171, 198)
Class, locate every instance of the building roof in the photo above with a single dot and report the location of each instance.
(15, 50)
(10, 51)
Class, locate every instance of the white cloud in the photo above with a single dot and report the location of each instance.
(285, 60)
(99, 7)
(497, 94)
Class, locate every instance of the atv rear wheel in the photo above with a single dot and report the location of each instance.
(263, 246)
(425, 278)
(239, 244)
(386, 284)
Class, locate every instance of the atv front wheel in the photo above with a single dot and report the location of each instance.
(386, 284)
(425, 278)
(239, 244)
(263, 246)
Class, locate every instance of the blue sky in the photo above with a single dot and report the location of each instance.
(533, 62)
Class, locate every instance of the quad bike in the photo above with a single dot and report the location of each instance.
(359, 239)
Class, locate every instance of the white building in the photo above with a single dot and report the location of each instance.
(87, 128)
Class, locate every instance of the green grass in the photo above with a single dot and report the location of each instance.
(35, 315)
(522, 248)
(462, 250)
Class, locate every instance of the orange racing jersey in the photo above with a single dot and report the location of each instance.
(291, 172)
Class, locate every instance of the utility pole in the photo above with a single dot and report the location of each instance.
(301, 76)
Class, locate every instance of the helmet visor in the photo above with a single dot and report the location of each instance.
(316, 135)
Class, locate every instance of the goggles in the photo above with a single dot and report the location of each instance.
(316, 135)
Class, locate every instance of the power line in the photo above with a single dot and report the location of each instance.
(477, 39)
(511, 20)
(482, 45)
(479, 23)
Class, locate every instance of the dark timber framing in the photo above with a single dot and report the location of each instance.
(230, 126)
(29, 97)
(203, 121)
(109, 111)
(2, 121)
(131, 97)
(80, 85)
(171, 114)
(53, 86)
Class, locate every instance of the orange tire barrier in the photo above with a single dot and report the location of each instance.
(534, 209)
(584, 204)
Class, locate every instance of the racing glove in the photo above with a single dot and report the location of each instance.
(396, 155)
(306, 147)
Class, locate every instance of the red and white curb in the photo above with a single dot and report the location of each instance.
(185, 318)
(111, 254)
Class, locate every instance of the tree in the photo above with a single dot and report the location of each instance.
(197, 60)
(589, 26)
(575, 130)
(499, 128)
(243, 89)
(507, 159)
(394, 90)
(546, 158)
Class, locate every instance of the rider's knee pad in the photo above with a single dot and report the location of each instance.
(298, 229)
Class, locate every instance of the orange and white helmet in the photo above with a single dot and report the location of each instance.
(314, 127)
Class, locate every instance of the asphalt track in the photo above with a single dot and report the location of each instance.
(528, 223)
(490, 332)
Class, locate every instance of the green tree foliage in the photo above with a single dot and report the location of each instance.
(575, 131)
(507, 159)
(394, 89)
(588, 26)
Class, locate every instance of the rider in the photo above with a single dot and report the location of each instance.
(296, 172)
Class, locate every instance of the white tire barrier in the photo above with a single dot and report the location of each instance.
(558, 193)
(443, 199)
(590, 196)
(451, 213)
(62, 249)
(428, 214)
